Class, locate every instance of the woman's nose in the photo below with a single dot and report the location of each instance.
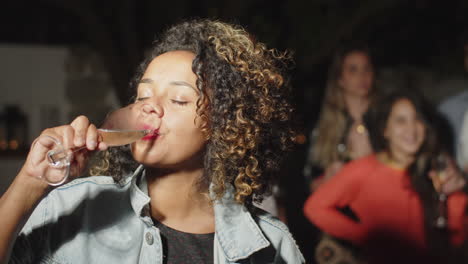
(153, 109)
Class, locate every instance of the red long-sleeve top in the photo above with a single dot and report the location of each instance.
(384, 202)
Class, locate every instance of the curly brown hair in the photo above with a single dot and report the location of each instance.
(244, 103)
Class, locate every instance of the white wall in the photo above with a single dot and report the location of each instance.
(32, 77)
(52, 85)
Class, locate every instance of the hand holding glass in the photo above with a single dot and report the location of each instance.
(118, 130)
(439, 165)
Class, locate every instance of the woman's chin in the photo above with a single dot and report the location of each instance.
(410, 151)
(147, 158)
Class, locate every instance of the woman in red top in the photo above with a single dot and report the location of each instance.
(391, 192)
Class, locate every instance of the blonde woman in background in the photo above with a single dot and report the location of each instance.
(341, 134)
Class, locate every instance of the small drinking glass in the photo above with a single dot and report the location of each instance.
(54, 161)
(439, 165)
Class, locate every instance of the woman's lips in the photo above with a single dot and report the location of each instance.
(151, 136)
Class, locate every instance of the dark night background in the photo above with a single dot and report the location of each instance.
(417, 33)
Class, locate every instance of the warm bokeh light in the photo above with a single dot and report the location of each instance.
(13, 144)
(300, 139)
(3, 145)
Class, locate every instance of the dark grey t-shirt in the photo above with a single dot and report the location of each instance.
(181, 248)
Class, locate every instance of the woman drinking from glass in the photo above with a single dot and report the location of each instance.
(216, 103)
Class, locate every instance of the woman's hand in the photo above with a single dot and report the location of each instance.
(449, 180)
(80, 134)
(28, 188)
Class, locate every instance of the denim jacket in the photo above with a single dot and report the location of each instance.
(94, 220)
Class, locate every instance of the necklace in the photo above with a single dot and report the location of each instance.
(386, 159)
(361, 129)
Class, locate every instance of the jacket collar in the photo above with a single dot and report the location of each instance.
(139, 198)
(237, 232)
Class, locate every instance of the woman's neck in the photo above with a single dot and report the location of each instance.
(356, 105)
(177, 202)
(396, 159)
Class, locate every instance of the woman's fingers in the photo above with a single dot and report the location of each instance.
(80, 126)
(102, 146)
(86, 134)
(36, 161)
(66, 135)
(70, 144)
(92, 137)
(453, 179)
(454, 184)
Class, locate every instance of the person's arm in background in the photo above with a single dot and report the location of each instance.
(452, 181)
(457, 218)
(462, 153)
(449, 119)
(321, 208)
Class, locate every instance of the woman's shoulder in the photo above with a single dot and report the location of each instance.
(89, 186)
(89, 194)
(71, 203)
(97, 181)
(87, 189)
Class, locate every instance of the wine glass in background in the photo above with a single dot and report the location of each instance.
(439, 165)
(54, 161)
